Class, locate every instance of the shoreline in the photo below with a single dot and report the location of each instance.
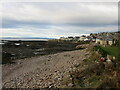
(42, 65)
(24, 49)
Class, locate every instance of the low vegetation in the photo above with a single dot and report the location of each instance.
(109, 50)
(98, 74)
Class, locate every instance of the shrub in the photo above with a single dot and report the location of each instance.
(100, 50)
(85, 60)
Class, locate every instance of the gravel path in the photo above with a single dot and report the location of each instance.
(42, 71)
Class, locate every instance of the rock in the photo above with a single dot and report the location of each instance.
(37, 75)
(19, 63)
(70, 78)
(18, 84)
(51, 86)
(60, 79)
(109, 57)
(108, 64)
(114, 58)
(48, 59)
(109, 61)
(69, 75)
(74, 68)
(70, 69)
(70, 84)
(77, 64)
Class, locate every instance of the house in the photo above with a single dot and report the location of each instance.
(97, 41)
(66, 38)
(62, 38)
(70, 38)
(76, 38)
(82, 38)
(105, 40)
(86, 39)
(17, 44)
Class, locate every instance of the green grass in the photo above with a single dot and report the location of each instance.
(111, 50)
(85, 60)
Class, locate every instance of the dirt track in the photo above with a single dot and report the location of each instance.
(42, 71)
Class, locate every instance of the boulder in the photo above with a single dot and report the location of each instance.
(80, 47)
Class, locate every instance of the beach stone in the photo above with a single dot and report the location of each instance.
(37, 72)
(70, 84)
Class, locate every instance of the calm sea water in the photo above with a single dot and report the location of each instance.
(26, 39)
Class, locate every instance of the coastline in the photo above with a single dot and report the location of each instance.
(49, 66)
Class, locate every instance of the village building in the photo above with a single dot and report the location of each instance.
(70, 38)
(62, 38)
(17, 44)
(86, 39)
(76, 38)
(105, 40)
(82, 38)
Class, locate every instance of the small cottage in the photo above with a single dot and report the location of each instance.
(82, 38)
(105, 40)
(70, 38)
(76, 38)
(62, 38)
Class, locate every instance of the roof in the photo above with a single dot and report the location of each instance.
(70, 37)
(107, 37)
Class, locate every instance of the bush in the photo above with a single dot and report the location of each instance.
(6, 58)
(85, 60)
(100, 50)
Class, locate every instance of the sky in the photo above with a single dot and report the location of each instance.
(57, 19)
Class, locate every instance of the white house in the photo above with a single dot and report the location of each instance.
(82, 38)
(62, 38)
(86, 39)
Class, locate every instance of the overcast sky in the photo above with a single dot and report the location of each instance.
(57, 19)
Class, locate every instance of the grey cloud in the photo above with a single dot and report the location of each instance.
(11, 23)
(59, 18)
